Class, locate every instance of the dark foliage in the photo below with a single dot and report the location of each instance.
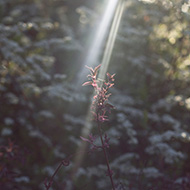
(43, 108)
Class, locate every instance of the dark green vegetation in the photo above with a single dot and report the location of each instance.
(43, 45)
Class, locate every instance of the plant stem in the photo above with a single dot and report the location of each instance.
(48, 184)
(105, 155)
(64, 162)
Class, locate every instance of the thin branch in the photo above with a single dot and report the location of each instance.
(105, 155)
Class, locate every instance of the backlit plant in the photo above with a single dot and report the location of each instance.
(100, 107)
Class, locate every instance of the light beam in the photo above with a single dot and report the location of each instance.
(94, 52)
(105, 62)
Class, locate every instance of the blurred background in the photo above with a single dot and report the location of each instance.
(44, 47)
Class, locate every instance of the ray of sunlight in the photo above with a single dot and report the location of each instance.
(105, 62)
(111, 40)
(94, 51)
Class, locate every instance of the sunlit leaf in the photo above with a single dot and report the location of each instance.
(91, 69)
(84, 139)
(87, 83)
(96, 69)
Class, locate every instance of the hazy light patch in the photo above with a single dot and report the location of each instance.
(161, 31)
(111, 39)
(148, 1)
(187, 102)
(185, 63)
(94, 51)
(102, 31)
(175, 34)
(178, 98)
(185, 7)
(184, 75)
(107, 55)
(86, 15)
(184, 135)
(167, 4)
(172, 40)
(83, 19)
(93, 57)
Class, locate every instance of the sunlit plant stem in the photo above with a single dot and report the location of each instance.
(99, 109)
(105, 155)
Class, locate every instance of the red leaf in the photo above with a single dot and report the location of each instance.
(112, 75)
(84, 139)
(110, 106)
(111, 85)
(108, 75)
(91, 69)
(94, 85)
(108, 95)
(96, 69)
(87, 83)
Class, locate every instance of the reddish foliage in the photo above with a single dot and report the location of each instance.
(100, 106)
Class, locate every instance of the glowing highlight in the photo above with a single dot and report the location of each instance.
(94, 52)
(92, 59)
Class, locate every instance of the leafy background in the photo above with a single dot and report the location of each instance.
(43, 45)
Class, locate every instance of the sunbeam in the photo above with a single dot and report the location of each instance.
(111, 40)
(94, 51)
(105, 62)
